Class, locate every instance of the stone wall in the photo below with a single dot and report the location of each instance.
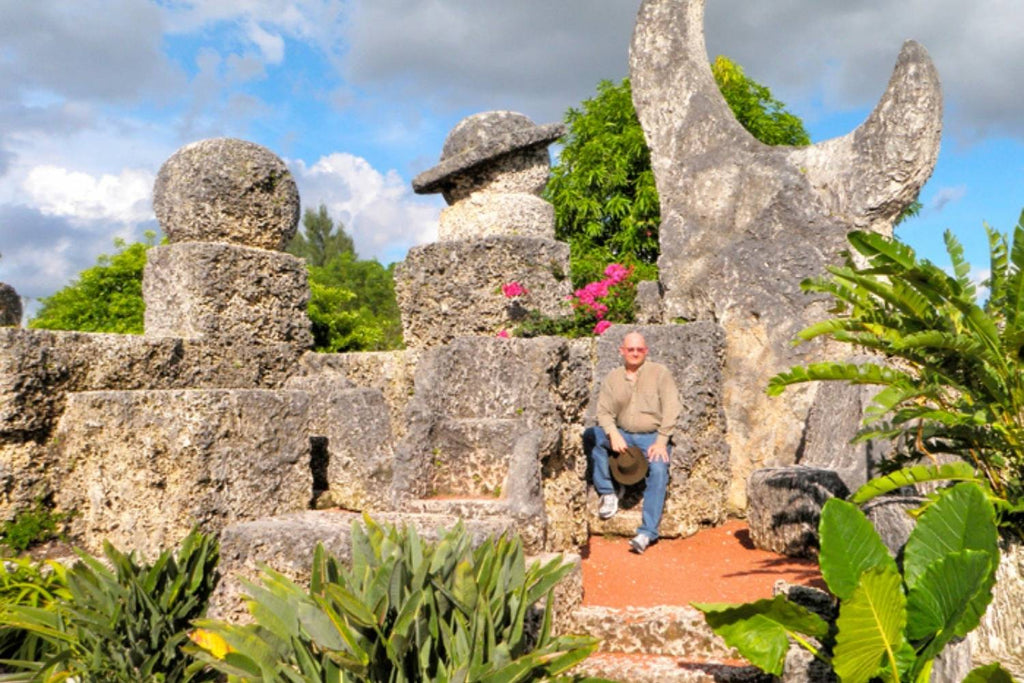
(39, 369)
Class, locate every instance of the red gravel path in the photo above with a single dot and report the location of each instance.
(716, 565)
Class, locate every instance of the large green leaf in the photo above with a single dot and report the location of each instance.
(870, 626)
(760, 630)
(908, 476)
(849, 546)
(962, 518)
(991, 673)
(949, 599)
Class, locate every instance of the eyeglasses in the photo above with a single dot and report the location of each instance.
(634, 349)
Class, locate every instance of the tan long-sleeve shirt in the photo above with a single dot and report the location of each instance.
(648, 403)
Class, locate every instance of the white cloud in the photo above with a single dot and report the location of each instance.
(271, 45)
(124, 198)
(379, 210)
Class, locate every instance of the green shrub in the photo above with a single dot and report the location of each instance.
(27, 583)
(893, 618)
(405, 611)
(32, 527)
(124, 624)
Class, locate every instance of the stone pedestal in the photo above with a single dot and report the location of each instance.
(451, 289)
(228, 294)
(140, 468)
(785, 507)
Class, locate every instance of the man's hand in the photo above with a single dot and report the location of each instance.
(657, 452)
(617, 442)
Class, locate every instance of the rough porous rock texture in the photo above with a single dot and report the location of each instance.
(351, 443)
(785, 507)
(391, 372)
(39, 368)
(663, 630)
(699, 471)
(24, 476)
(835, 417)
(466, 392)
(140, 468)
(10, 306)
(227, 294)
(484, 214)
(503, 150)
(518, 172)
(286, 543)
(744, 223)
(227, 190)
(451, 289)
(890, 515)
(1000, 636)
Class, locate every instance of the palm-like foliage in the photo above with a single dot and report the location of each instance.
(952, 375)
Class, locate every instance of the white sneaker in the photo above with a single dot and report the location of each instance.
(609, 506)
(638, 544)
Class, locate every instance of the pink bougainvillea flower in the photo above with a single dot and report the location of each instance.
(513, 289)
(600, 327)
(502, 335)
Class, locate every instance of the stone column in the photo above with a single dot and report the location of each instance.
(496, 231)
(228, 207)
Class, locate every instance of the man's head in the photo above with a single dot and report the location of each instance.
(633, 350)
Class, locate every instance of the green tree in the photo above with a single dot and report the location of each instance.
(104, 298)
(352, 303)
(606, 204)
(318, 243)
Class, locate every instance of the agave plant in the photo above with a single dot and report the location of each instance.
(27, 583)
(893, 619)
(404, 611)
(951, 366)
(121, 620)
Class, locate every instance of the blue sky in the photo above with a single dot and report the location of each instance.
(358, 95)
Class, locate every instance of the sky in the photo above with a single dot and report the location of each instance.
(357, 97)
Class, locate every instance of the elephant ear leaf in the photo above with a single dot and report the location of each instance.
(991, 673)
(760, 630)
(871, 623)
(961, 519)
(949, 599)
(849, 546)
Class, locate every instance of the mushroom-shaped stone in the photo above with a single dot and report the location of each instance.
(495, 151)
(10, 306)
(227, 190)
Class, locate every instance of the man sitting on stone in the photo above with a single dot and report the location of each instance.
(638, 406)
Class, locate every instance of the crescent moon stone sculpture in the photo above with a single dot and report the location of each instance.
(743, 223)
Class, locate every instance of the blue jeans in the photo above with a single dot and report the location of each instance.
(656, 481)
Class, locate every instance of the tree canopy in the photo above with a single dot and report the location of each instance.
(606, 204)
(352, 303)
(104, 298)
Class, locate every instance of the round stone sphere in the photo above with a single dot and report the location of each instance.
(227, 190)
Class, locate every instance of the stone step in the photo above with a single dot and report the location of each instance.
(669, 630)
(634, 668)
(286, 544)
(464, 508)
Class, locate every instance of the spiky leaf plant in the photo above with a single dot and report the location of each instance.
(405, 610)
(122, 621)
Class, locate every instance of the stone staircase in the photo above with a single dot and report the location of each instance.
(666, 643)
